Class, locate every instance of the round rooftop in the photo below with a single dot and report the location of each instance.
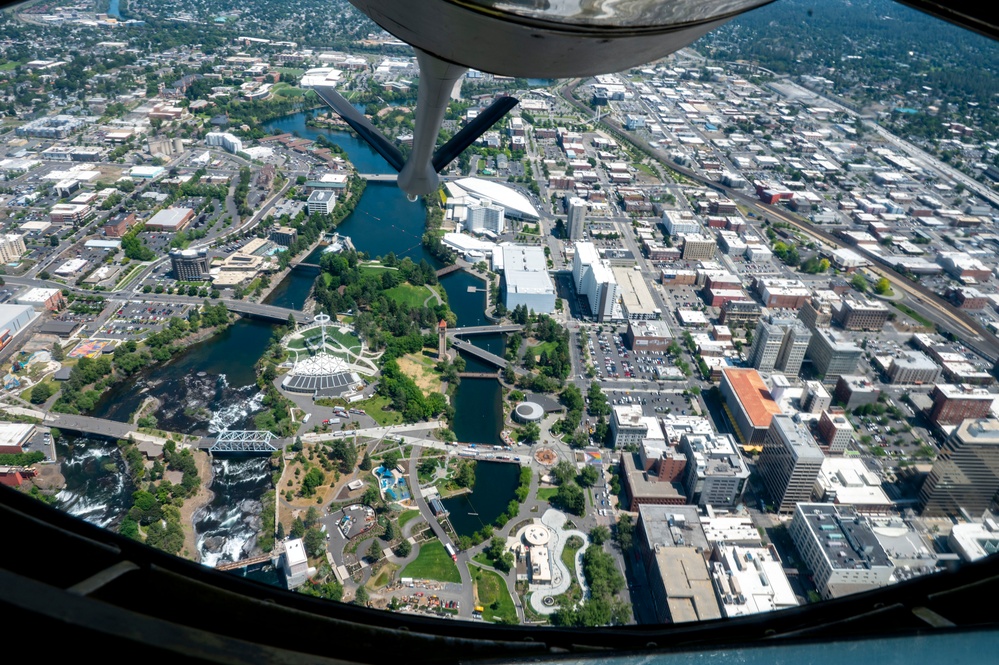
(536, 535)
(528, 412)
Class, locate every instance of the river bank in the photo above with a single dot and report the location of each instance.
(196, 503)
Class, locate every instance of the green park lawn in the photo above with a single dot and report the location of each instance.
(407, 294)
(373, 268)
(547, 493)
(492, 591)
(406, 516)
(433, 563)
(376, 407)
(544, 346)
(349, 340)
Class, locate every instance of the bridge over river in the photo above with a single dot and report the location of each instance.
(253, 442)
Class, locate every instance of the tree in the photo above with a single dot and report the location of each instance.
(315, 543)
(391, 459)
(311, 517)
(370, 497)
(588, 476)
(465, 475)
(41, 393)
(859, 282)
(624, 533)
(298, 528)
(530, 433)
(882, 286)
(312, 480)
(599, 535)
(57, 352)
(361, 597)
(564, 472)
(365, 462)
(570, 498)
(374, 552)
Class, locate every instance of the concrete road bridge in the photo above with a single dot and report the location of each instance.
(484, 330)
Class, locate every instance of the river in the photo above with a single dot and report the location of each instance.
(98, 488)
(495, 483)
(211, 386)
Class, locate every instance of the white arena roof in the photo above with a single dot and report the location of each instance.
(325, 76)
(514, 203)
(318, 365)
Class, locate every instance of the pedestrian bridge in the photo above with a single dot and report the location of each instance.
(268, 312)
(484, 330)
(243, 442)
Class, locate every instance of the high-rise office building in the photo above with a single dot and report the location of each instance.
(780, 345)
(576, 218)
(11, 247)
(189, 265)
(832, 356)
(766, 345)
(790, 462)
(595, 280)
(966, 472)
(485, 216)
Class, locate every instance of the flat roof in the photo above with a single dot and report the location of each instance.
(37, 294)
(751, 580)
(845, 539)
(634, 292)
(15, 434)
(642, 486)
(690, 596)
(852, 483)
(170, 217)
(653, 328)
(322, 196)
(753, 395)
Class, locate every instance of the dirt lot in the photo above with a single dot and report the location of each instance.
(421, 369)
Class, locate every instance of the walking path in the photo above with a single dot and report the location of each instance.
(561, 577)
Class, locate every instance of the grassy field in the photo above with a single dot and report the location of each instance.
(646, 169)
(349, 340)
(493, 596)
(383, 577)
(406, 516)
(547, 493)
(483, 559)
(26, 395)
(376, 407)
(544, 346)
(292, 71)
(285, 90)
(569, 553)
(373, 268)
(433, 563)
(407, 294)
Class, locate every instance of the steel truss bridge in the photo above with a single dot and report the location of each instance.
(250, 441)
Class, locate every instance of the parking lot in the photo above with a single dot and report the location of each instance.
(613, 360)
(137, 320)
